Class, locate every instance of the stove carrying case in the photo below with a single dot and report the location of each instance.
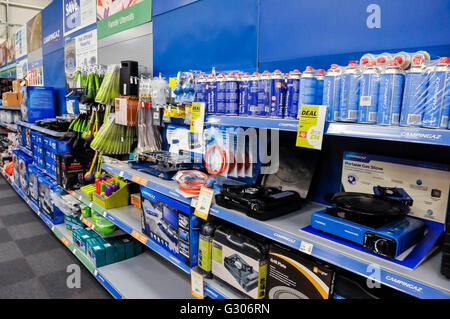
(292, 276)
(240, 261)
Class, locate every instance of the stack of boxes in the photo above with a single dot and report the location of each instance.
(105, 251)
(37, 141)
(52, 147)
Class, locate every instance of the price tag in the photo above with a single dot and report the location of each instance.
(311, 126)
(143, 239)
(204, 203)
(87, 222)
(172, 82)
(65, 241)
(121, 173)
(197, 117)
(197, 289)
(306, 247)
(139, 180)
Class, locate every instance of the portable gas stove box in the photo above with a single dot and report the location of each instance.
(33, 185)
(171, 224)
(46, 187)
(240, 261)
(292, 276)
(23, 162)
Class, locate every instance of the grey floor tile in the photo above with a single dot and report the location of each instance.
(50, 261)
(20, 218)
(55, 284)
(29, 289)
(6, 193)
(1, 223)
(98, 293)
(14, 271)
(36, 244)
(9, 251)
(11, 199)
(16, 208)
(28, 230)
(4, 235)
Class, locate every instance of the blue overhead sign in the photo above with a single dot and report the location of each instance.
(52, 29)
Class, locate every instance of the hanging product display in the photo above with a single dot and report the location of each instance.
(109, 88)
(113, 138)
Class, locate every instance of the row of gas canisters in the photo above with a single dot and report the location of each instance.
(386, 89)
(274, 95)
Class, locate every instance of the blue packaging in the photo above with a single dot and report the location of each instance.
(278, 95)
(211, 94)
(21, 170)
(292, 95)
(264, 94)
(244, 86)
(56, 146)
(200, 88)
(350, 89)
(252, 97)
(437, 109)
(171, 224)
(39, 103)
(368, 102)
(221, 89)
(308, 87)
(46, 188)
(392, 81)
(33, 185)
(319, 90)
(332, 92)
(231, 95)
(414, 95)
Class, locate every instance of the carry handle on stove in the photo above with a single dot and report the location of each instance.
(230, 239)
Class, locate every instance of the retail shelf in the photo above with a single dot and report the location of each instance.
(143, 276)
(390, 133)
(424, 282)
(167, 187)
(10, 108)
(123, 218)
(9, 126)
(147, 276)
(45, 130)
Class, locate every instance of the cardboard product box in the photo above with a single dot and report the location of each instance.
(11, 99)
(70, 170)
(171, 224)
(24, 161)
(16, 84)
(135, 200)
(73, 223)
(38, 102)
(96, 252)
(240, 261)
(109, 250)
(126, 110)
(293, 276)
(46, 187)
(80, 237)
(33, 185)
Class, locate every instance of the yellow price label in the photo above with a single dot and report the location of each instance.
(172, 82)
(197, 288)
(311, 126)
(197, 117)
(143, 239)
(139, 180)
(204, 203)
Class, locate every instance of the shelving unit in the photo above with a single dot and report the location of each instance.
(423, 282)
(10, 108)
(137, 277)
(123, 218)
(11, 127)
(390, 133)
(45, 131)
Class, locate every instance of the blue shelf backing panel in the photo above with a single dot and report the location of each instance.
(297, 33)
(218, 33)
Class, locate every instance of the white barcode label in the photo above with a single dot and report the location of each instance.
(395, 119)
(414, 119)
(372, 116)
(352, 114)
(306, 247)
(365, 101)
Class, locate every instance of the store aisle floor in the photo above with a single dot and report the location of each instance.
(33, 262)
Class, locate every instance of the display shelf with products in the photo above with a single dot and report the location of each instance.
(45, 131)
(11, 127)
(388, 133)
(131, 278)
(423, 282)
(10, 108)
